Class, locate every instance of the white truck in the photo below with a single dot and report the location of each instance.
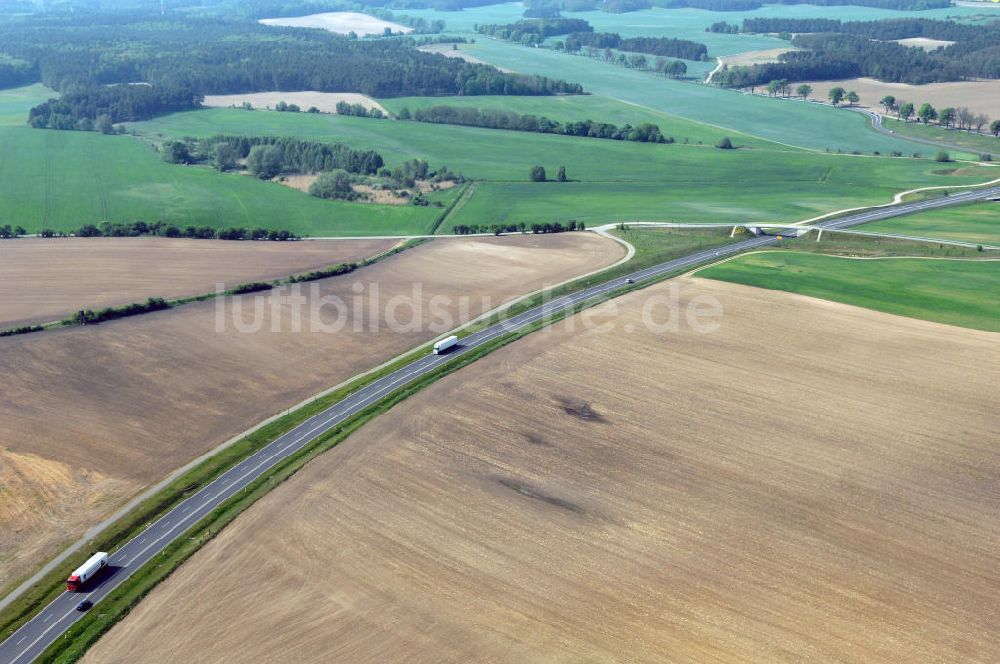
(443, 345)
(87, 571)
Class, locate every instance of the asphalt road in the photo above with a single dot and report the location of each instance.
(28, 642)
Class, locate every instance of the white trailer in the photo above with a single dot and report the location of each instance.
(443, 345)
(87, 571)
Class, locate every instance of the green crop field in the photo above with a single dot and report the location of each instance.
(979, 223)
(566, 108)
(611, 180)
(814, 126)
(957, 292)
(64, 179)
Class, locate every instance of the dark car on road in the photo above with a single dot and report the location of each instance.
(84, 605)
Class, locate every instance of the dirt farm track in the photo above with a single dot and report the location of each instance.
(809, 482)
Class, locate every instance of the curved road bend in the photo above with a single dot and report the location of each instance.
(28, 642)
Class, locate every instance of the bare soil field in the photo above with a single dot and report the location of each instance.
(43, 279)
(339, 22)
(978, 96)
(449, 51)
(369, 194)
(326, 102)
(118, 406)
(754, 57)
(810, 482)
(924, 42)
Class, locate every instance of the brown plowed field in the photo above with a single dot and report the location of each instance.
(123, 403)
(43, 279)
(811, 482)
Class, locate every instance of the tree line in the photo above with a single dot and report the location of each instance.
(133, 66)
(497, 229)
(91, 317)
(164, 229)
(500, 119)
(532, 32)
(662, 46)
(668, 68)
(960, 118)
(359, 110)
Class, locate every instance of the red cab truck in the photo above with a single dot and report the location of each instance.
(86, 572)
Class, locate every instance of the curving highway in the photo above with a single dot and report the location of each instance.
(28, 642)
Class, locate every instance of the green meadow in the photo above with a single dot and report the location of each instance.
(956, 292)
(978, 223)
(610, 180)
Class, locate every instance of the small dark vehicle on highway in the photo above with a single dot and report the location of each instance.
(84, 605)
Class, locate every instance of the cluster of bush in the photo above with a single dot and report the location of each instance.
(339, 184)
(163, 229)
(269, 156)
(497, 229)
(7, 232)
(493, 118)
(24, 329)
(91, 317)
(359, 110)
(332, 271)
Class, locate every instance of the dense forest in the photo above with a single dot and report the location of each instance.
(134, 66)
(833, 49)
(500, 119)
(661, 46)
(534, 31)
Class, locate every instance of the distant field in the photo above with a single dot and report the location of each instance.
(47, 279)
(806, 125)
(979, 96)
(93, 414)
(339, 22)
(326, 102)
(612, 180)
(755, 57)
(957, 292)
(810, 482)
(968, 223)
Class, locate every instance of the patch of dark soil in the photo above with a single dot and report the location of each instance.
(535, 494)
(581, 410)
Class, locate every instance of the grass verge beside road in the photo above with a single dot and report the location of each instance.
(956, 292)
(977, 223)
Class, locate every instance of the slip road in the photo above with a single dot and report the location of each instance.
(32, 638)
